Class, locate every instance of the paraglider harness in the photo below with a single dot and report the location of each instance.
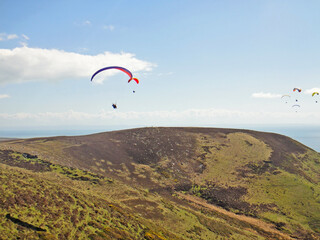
(114, 106)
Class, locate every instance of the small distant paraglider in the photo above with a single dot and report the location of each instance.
(136, 80)
(286, 97)
(297, 90)
(121, 69)
(314, 94)
(296, 106)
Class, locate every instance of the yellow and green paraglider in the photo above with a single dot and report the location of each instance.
(315, 94)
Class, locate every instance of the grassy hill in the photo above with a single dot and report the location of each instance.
(160, 183)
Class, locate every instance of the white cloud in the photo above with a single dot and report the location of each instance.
(265, 95)
(12, 36)
(190, 117)
(6, 37)
(37, 64)
(23, 44)
(108, 27)
(25, 37)
(4, 96)
(312, 90)
(83, 23)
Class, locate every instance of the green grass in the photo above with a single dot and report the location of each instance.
(292, 199)
(74, 209)
(72, 173)
(226, 155)
(289, 200)
(62, 211)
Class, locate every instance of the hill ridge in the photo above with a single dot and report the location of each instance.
(263, 175)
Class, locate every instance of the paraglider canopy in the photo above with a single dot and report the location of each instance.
(118, 68)
(285, 97)
(297, 89)
(295, 106)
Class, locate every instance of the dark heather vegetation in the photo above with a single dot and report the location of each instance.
(160, 183)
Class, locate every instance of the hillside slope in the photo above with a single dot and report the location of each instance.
(151, 172)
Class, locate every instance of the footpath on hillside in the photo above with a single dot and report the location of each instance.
(254, 221)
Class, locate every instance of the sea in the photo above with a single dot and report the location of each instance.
(307, 135)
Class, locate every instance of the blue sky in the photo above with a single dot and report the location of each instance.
(199, 63)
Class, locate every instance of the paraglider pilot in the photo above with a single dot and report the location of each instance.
(114, 106)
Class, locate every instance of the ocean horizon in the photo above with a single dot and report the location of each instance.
(307, 135)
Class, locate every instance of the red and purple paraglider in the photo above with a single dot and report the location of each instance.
(118, 68)
(114, 105)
